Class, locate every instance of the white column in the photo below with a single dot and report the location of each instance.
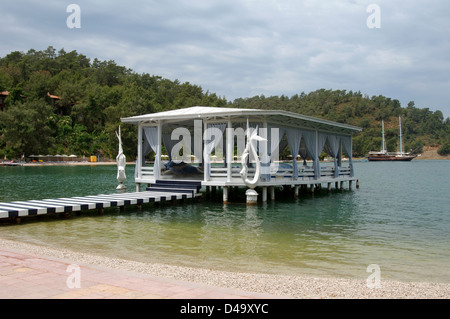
(230, 149)
(206, 159)
(225, 194)
(272, 192)
(350, 158)
(264, 194)
(157, 171)
(139, 154)
(317, 167)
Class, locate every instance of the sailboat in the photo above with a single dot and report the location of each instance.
(384, 155)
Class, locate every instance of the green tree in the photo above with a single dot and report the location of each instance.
(25, 127)
(81, 141)
(444, 149)
(6, 81)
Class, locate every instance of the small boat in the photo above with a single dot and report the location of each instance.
(11, 164)
(384, 155)
(379, 156)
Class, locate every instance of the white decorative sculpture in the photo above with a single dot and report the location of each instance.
(121, 162)
(251, 194)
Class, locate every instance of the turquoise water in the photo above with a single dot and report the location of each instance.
(398, 219)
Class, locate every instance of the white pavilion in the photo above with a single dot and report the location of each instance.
(230, 147)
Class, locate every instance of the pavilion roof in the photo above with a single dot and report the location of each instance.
(208, 113)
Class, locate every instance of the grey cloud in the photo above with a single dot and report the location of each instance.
(240, 48)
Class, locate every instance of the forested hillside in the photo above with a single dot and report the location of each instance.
(57, 102)
(420, 126)
(93, 96)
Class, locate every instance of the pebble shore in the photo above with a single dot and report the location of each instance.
(279, 285)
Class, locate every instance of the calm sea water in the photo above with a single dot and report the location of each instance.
(399, 219)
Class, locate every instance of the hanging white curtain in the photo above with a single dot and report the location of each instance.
(320, 145)
(347, 146)
(302, 151)
(151, 137)
(332, 148)
(294, 137)
(310, 141)
(216, 130)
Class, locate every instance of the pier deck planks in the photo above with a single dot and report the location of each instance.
(73, 204)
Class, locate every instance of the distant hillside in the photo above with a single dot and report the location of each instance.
(421, 127)
(63, 103)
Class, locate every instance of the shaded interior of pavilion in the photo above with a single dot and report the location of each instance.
(200, 153)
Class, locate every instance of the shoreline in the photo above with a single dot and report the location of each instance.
(283, 286)
(28, 164)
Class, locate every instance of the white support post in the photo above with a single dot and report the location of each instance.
(225, 194)
(230, 149)
(317, 163)
(157, 172)
(206, 159)
(139, 155)
(350, 158)
(272, 193)
(296, 192)
(264, 194)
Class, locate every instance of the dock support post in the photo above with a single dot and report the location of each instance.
(272, 193)
(342, 185)
(264, 194)
(296, 188)
(350, 185)
(225, 194)
(252, 196)
(329, 187)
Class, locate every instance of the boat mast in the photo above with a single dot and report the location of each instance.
(400, 127)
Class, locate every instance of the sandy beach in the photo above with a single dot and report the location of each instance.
(274, 285)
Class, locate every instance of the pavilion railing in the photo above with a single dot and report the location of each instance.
(304, 173)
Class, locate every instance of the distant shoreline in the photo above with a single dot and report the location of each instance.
(62, 163)
(430, 154)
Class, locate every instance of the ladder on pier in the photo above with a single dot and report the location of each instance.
(176, 186)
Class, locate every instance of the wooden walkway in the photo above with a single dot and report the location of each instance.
(154, 193)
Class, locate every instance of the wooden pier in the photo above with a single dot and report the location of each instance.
(154, 193)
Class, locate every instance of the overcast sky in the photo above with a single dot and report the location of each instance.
(243, 48)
